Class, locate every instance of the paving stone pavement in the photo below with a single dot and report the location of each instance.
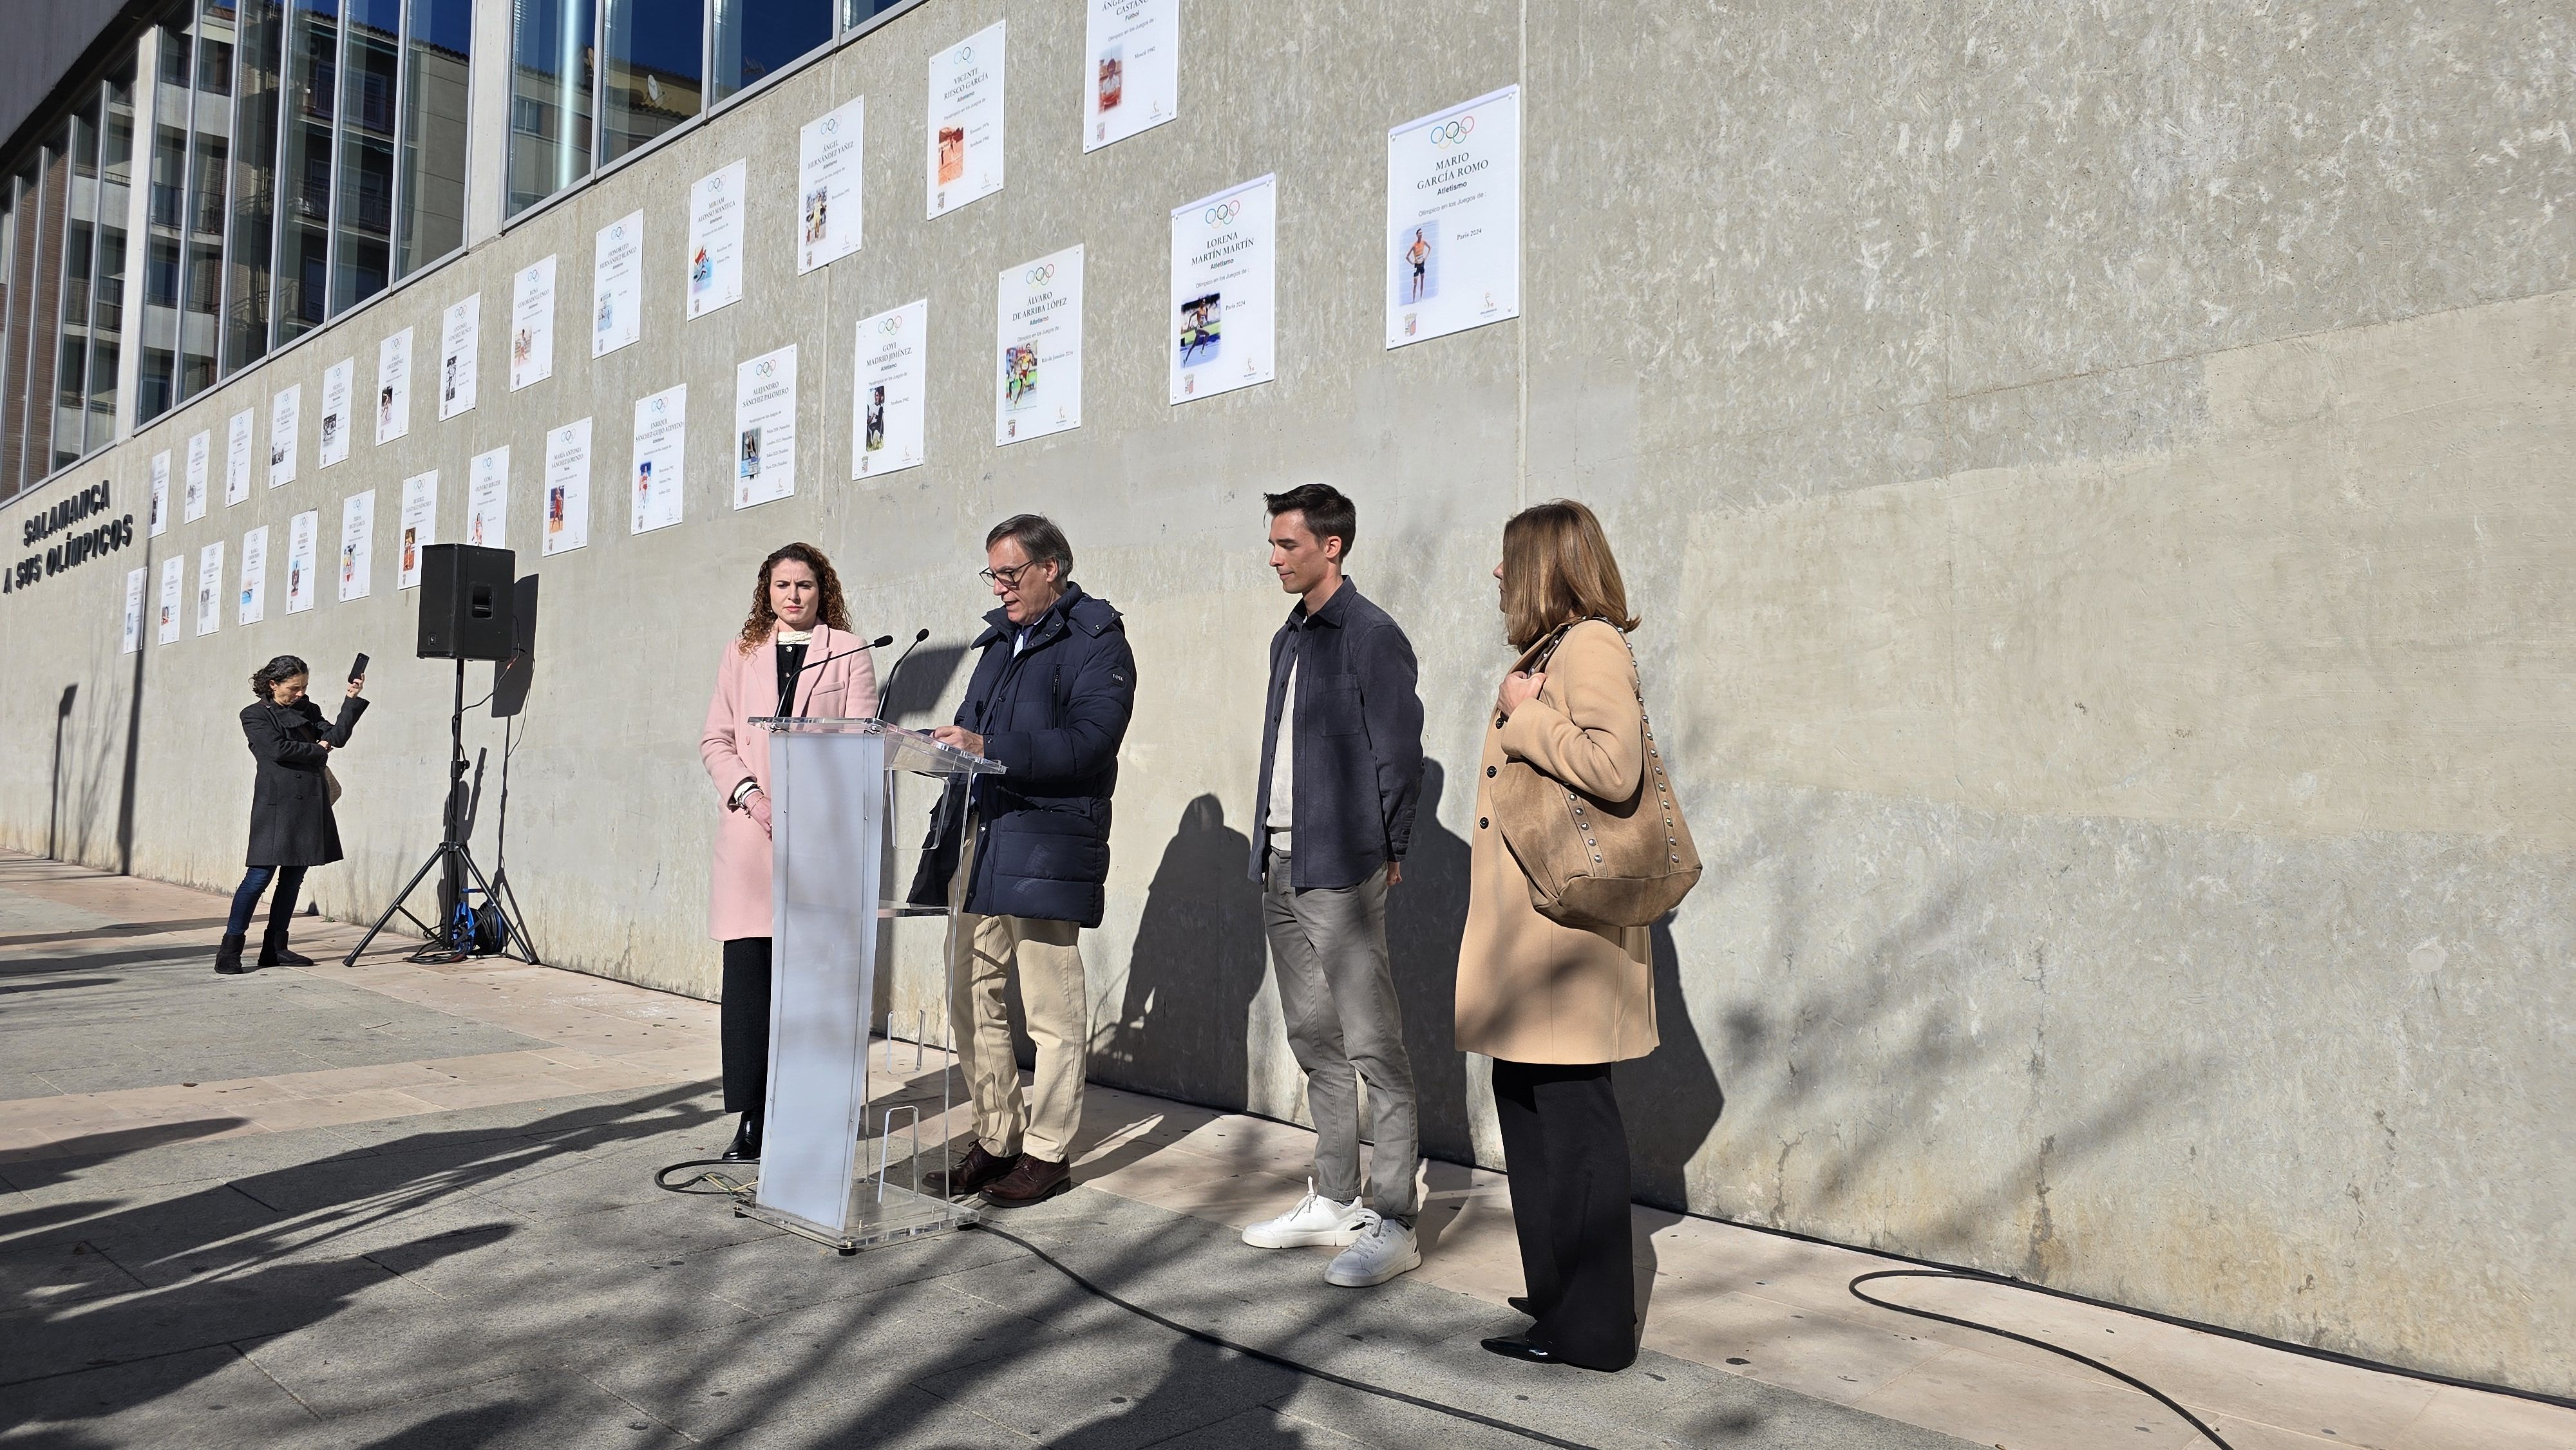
(413, 1206)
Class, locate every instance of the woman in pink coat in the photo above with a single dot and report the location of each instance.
(796, 655)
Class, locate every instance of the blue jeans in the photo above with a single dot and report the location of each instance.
(281, 907)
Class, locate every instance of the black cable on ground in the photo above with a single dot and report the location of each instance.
(729, 1188)
(706, 1173)
(1219, 1341)
(1972, 1277)
(1931, 1270)
(2304, 1351)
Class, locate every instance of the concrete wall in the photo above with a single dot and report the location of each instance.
(2097, 481)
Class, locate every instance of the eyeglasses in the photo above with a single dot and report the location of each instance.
(1009, 576)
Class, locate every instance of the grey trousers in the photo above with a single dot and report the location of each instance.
(1335, 989)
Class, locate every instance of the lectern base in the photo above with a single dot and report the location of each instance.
(878, 1216)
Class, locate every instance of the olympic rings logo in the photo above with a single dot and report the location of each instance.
(1224, 213)
(1041, 274)
(1453, 132)
(766, 367)
(889, 326)
(965, 55)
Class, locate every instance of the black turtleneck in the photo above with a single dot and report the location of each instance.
(791, 663)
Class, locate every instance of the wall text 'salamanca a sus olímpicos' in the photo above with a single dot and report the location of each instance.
(94, 542)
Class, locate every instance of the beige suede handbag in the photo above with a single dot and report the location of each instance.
(1591, 862)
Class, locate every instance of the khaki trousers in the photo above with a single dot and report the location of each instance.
(983, 951)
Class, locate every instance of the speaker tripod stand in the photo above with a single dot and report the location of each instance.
(461, 928)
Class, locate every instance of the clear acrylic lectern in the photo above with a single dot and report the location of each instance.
(828, 1171)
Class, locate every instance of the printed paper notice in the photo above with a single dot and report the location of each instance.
(887, 392)
(1038, 345)
(285, 421)
(419, 526)
(661, 431)
(238, 440)
(393, 387)
(532, 324)
(133, 610)
(487, 499)
(1453, 215)
(828, 152)
(1221, 326)
(460, 344)
(302, 537)
(160, 494)
(567, 487)
(357, 544)
(210, 588)
(254, 575)
(200, 458)
(617, 285)
(338, 382)
(764, 428)
(1135, 75)
(171, 584)
(966, 121)
(715, 239)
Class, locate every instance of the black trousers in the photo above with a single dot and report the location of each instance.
(746, 1024)
(1568, 1155)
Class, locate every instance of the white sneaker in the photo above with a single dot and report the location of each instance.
(1385, 1249)
(1314, 1223)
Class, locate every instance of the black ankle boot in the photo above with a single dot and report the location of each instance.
(274, 952)
(228, 956)
(745, 1147)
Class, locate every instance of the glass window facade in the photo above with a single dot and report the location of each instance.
(312, 106)
(63, 253)
(653, 79)
(654, 65)
(431, 222)
(753, 38)
(551, 50)
(299, 156)
(362, 225)
(276, 162)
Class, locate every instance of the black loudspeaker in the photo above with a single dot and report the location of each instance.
(465, 602)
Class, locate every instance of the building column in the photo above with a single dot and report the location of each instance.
(138, 228)
(487, 120)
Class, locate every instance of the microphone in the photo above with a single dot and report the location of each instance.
(885, 687)
(880, 642)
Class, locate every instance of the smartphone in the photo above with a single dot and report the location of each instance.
(359, 670)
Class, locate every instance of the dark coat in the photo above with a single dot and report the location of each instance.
(1356, 766)
(1053, 715)
(290, 806)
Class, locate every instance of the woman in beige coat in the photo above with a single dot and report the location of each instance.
(1555, 1005)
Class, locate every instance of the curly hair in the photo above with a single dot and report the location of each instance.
(763, 619)
(276, 672)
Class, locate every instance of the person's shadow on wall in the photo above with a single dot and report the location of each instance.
(1671, 1097)
(1425, 915)
(1197, 964)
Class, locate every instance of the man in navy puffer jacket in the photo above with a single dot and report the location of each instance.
(1050, 701)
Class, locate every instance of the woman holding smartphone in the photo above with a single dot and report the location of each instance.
(291, 826)
(1555, 1005)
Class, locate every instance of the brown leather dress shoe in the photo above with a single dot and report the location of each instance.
(1034, 1180)
(978, 1169)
